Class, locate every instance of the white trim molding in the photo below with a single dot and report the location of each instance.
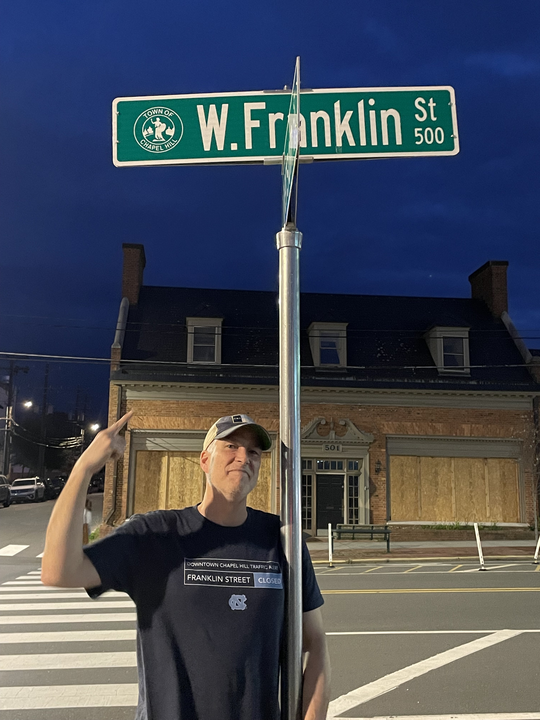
(435, 339)
(335, 336)
(234, 393)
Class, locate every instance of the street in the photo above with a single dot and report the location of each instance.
(22, 534)
(433, 640)
(414, 640)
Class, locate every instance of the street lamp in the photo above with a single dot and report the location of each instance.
(95, 427)
(28, 404)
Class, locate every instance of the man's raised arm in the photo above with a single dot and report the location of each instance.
(64, 563)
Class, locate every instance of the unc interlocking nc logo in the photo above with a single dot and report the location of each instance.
(237, 602)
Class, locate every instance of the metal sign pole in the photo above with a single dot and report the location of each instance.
(289, 242)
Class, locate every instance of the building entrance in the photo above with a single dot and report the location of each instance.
(330, 489)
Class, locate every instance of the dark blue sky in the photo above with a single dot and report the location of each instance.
(403, 226)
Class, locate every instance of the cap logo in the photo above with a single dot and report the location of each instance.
(237, 419)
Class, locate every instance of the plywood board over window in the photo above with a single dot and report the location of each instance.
(167, 480)
(439, 489)
(260, 497)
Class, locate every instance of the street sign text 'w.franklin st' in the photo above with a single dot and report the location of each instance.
(249, 127)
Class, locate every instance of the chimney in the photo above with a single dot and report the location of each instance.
(132, 274)
(488, 283)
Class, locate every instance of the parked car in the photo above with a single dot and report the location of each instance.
(97, 483)
(31, 489)
(53, 487)
(5, 491)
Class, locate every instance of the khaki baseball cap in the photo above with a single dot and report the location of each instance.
(229, 423)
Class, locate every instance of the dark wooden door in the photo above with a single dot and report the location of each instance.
(329, 500)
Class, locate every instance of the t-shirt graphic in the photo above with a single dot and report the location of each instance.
(210, 605)
(221, 572)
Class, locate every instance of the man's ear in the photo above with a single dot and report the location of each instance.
(205, 461)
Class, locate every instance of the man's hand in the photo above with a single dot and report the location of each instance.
(107, 445)
(64, 563)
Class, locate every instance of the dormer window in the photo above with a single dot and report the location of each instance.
(453, 353)
(449, 348)
(204, 340)
(328, 342)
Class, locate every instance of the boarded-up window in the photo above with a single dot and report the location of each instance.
(260, 497)
(167, 480)
(439, 489)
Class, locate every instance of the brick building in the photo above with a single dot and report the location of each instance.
(414, 410)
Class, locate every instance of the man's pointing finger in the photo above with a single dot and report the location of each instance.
(119, 424)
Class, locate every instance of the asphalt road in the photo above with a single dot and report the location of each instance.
(431, 640)
(25, 524)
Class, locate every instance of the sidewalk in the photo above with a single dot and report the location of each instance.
(375, 550)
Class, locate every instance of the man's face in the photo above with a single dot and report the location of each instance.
(233, 466)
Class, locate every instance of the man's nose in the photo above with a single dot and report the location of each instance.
(242, 455)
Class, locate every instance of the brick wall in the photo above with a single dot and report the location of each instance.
(132, 274)
(489, 284)
(379, 421)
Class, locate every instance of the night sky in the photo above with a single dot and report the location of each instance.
(415, 226)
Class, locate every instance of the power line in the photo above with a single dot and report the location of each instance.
(194, 366)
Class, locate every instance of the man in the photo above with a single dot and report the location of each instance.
(206, 581)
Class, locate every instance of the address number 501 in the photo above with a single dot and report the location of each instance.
(429, 135)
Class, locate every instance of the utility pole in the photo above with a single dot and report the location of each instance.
(41, 459)
(8, 421)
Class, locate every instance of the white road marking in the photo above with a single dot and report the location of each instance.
(492, 567)
(474, 716)
(10, 550)
(82, 618)
(67, 636)
(68, 661)
(419, 632)
(40, 555)
(427, 632)
(9, 607)
(32, 572)
(34, 587)
(23, 583)
(393, 680)
(43, 595)
(68, 696)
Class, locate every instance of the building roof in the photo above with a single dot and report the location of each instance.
(386, 345)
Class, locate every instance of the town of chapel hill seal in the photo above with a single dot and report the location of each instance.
(158, 129)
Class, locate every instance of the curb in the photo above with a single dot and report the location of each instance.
(351, 561)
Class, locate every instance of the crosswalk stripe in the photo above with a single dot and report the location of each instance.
(67, 636)
(68, 661)
(68, 696)
(48, 608)
(46, 597)
(38, 587)
(10, 607)
(10, 550)
(40, 555)
(80, 618)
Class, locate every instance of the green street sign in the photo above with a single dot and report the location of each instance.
(249, 127)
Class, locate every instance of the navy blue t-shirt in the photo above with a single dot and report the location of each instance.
(210, 606)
